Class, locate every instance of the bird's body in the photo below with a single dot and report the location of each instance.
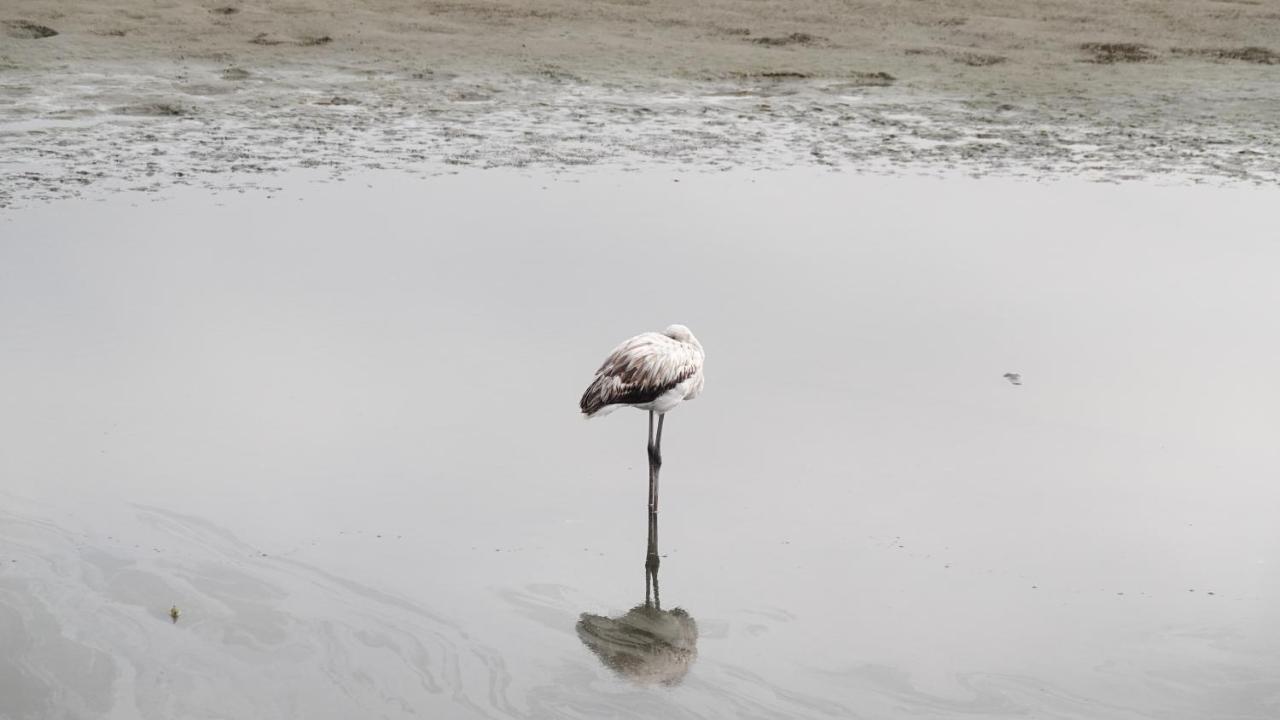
(651, 371)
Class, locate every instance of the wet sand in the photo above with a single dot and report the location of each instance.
(337, 429)
(140, 95)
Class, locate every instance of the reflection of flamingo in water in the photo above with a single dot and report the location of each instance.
(651, 371)
(647, 645)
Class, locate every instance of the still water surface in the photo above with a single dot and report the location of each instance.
(337, 428)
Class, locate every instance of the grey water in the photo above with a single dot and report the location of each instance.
(336, 426)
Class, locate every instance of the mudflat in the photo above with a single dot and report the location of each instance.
(132, 90)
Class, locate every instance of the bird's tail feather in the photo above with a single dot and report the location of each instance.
(593, 399)
(601, 412)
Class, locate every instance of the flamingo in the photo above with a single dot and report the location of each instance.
(651, 371)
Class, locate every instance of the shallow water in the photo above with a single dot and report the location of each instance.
(337, 428)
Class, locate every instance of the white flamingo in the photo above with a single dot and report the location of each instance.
(651, 371)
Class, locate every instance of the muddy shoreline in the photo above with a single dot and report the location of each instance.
(131, 94)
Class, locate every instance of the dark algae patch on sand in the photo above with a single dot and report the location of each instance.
(26, 30)
(781, 75)
(267, 39)
(878, 78)
(978, 59)
(795, 38)
(1109, 53)
(1257, 55)
(972, 59)
(159, 109)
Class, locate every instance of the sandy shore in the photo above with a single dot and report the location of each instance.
(136, 91)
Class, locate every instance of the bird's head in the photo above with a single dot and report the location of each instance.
(681, 333)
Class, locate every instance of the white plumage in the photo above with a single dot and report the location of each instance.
(651, 371)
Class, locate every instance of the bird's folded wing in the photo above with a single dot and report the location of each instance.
(639, 370)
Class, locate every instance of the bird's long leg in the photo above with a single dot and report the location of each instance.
(651, 562)
(656, 461)
(653, 472)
